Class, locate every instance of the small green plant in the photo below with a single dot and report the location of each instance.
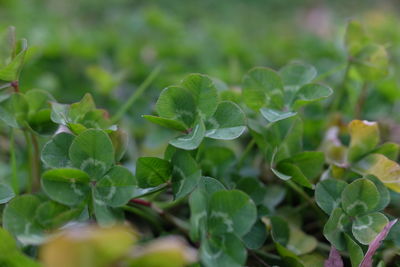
(245, 177)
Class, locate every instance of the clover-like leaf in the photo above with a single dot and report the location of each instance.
(151, 171)
(168, 123)
(328, 194)
(228, 122)
(256, 237)
(386, 170)
(355, 38)
(11, 71)
(177, 103)
(92, 151)
(14, 110)
(355, 252)
(55, 152)
(185, 175)
(299, 242)
(372, 62)
(106, 216)
(116, 187)
(223, 250)
(273, 115)
(204, 93)
(6, 193)
(365, 228)
(364, 138)
(335, 228)
(231, 212)
(360, 197)
(19, 219)
(66, 185)
(192, 140)
(311, 92)
(297, 74)
(260, 86)
(384, 195)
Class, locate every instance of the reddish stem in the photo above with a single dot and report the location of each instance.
(15, 85)
(141, 202)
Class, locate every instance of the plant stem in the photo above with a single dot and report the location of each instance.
(306, 197)
(30, 162)
(139, 91)
(245, 153)
(36, 162)
(341, 89)
(14, 169)
(360, 102)
(145, 216)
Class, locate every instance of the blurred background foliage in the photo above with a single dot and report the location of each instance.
(108, 48)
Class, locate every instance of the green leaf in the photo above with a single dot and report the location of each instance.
(59, 113)
(116, 187)
(19, 219)
(300, 243)
(384, 195)
(107, 216)
(38, 100)
(389, 150)
(92, 151)
(12, 70)
(151, 171)
(372, 62)
(6, 193)
(231, 212)
(355, 252)
(360, 197)
(355, 38)
(260, 86)
(228, 122)
(78, 110)
(293, 172)
(256, 237)
(223, 251)
(47, 212)
(120, 140)
(65, 191)
(273, 115)
(365, 228)
(168, 123)
(192, 140)
(309, 93)
(297, 74)
(204, 92)
(335, 228)
(185, 175)
(252, 187)
(328, 194)
(14, 110)
(386, 170)
(178, 104)
(66, 175)
(311, 163)
(198, 202)
(279, 230)
(364, 138)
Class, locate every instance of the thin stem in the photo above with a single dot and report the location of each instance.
(245, 153)
(30, 162)
(14, 169)
(139, 91)
(36, 162)
(15, 85)
(341, 89)
(144, 215)
(360, 102)
(306, 197)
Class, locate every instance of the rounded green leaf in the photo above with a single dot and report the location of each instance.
(177, 103)
(252, 187)
(297, 74)
(256, 237)
(151, 171)
(6, 193)
(328, 194)
(92, 151)
(66, 192)
(228, 122)
(273, 115)
(279, 230)
(185, 175)
(360, 197)
(223, 251)
(300, 243)
(384, 195)
(259, 85)
(19, 219)
(334, 229)
(365, 228)
(231, 212)
(192, 140)
(204, 92)
(14, 110)
(107, 216)
(116, 187)
(311, 92)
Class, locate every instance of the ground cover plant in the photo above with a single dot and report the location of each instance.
(282, 169)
